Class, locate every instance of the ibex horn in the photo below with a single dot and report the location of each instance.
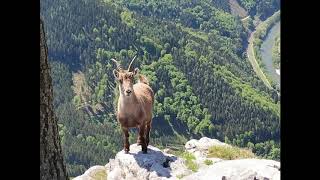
(131, 62)
(117, 63)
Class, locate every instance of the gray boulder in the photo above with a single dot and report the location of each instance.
(200, 147)
(240, 169)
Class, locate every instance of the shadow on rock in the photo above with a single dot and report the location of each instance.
(136, 165)
(155, 160)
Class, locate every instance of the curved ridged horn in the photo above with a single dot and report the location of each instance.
(131, 62)
(117, 63)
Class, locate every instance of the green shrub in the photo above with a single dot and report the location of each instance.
(208, 162)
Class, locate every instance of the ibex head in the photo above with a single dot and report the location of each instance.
(125, 77)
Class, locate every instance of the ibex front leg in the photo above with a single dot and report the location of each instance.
(142, 138)
(126, 139)
(139, 141)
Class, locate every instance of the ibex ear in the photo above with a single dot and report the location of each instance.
(135, 71)
(115, 73)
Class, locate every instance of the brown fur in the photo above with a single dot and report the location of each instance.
(143, 79)
(134, 108)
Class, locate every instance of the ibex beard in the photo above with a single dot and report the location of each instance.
(135, 104)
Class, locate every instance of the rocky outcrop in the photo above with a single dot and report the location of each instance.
(159, 165)
(154, 165)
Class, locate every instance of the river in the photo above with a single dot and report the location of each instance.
(266, 53)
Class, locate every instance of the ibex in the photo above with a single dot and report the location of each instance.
(135, 104)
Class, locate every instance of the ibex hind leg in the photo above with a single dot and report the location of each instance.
(148, 127)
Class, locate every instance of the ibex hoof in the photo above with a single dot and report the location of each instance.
(126, 151)
(144, 150)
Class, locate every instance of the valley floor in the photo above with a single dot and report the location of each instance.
(253, 61)
(266, 53)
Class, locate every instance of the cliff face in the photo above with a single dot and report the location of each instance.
(51, 159)
(159, 165)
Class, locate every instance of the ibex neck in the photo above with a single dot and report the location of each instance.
(124, 100)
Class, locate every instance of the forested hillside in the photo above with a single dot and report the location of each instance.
(193, 53)
(261, 8)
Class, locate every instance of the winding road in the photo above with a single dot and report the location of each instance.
(253, 61)
(266, 53)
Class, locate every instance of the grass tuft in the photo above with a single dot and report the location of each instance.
(190, 163)
(229, 153)
(208, 162)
